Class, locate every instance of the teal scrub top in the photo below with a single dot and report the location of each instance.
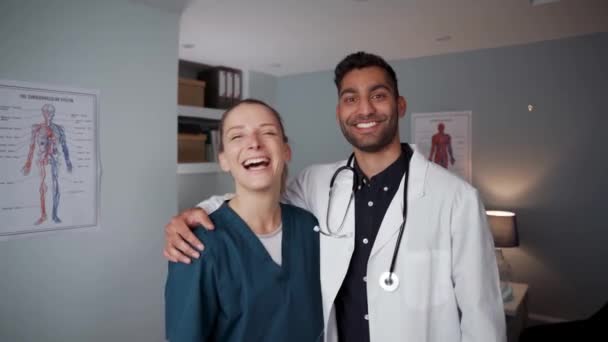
(236, 292)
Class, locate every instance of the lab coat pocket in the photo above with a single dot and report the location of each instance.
(428, 278)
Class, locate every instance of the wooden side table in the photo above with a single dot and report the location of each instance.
(516, 311)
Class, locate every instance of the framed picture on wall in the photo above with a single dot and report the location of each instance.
(445, 139)
(49, 159)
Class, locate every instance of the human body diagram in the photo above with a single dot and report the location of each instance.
(441, 148)
(48, 137)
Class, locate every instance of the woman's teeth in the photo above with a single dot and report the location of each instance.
(256, 163)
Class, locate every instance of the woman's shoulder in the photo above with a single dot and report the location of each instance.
(301, 228)
(297, 213)
(299, 218)
(227, 228)
(214, 238)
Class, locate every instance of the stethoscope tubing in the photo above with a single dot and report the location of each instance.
(389, 280)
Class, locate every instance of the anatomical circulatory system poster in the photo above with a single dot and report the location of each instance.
(445, 139)
(48, 158)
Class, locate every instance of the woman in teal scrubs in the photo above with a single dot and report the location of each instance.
(259, 277)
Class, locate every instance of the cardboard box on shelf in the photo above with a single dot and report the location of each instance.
(191, 92)
(191, 148)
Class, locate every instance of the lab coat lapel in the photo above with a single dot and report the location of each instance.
(337, 252)
(394, 214)
(340, 200)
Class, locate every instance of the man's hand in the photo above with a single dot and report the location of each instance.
(179, 239)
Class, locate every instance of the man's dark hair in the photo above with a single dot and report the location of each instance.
(360, 60)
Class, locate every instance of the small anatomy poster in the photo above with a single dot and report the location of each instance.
(445, 139)
(49, 159)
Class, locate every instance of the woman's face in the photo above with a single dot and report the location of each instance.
(254, 151)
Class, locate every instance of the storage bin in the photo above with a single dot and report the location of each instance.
(191, 148)
(223, 86)
(191, 92)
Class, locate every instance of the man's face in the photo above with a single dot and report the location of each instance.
(368, 110)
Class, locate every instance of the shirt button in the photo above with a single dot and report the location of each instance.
(316, 229)
(385, 188)
(366, 317)
(370, 204)
(365, 279)
(365, 241)
(359, 187)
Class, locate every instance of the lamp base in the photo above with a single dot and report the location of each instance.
(504, 270)
(507, 291)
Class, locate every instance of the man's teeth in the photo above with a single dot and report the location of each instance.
(366, 124)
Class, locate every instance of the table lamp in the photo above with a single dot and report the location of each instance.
(504, 231)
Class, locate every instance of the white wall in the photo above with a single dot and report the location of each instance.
(107, 284)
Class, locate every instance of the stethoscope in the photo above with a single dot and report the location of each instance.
(388, 281)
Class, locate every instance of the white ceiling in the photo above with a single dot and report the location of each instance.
(282, 37)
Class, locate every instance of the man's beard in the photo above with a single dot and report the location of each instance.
(372, 143)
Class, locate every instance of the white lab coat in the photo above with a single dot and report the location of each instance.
(449, 288)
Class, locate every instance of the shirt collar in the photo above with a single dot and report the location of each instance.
(391, 175)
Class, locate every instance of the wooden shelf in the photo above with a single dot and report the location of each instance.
(200, 112)
(192, 168)
(209, 119)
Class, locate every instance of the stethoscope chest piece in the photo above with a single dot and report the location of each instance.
(389, 282)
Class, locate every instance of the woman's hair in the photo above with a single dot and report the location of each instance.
(272, 111)
(254, 102)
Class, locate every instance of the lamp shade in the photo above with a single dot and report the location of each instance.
(504, 228)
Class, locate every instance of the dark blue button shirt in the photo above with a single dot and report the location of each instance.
(372, 199)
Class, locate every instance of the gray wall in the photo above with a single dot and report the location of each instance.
(193, 188)
(263, 87)
(548, 165)
(106, 284)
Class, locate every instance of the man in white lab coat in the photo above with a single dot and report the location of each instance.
(444, 282)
